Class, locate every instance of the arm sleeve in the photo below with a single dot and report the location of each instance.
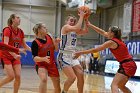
(34, 48)
(8, 48)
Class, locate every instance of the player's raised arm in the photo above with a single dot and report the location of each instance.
(97, 29)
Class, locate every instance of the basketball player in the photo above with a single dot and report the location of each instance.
(70, 67)
(43, 48)
(14, 36)
(120, 51)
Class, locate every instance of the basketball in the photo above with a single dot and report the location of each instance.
(86, 10)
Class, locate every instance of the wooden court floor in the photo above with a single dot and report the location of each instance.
(93, 83)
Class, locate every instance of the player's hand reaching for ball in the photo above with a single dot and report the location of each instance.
(57, 40)
(88, 23)
(81, 13)
(86, 11)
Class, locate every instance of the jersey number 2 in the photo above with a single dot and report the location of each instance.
(73, 41)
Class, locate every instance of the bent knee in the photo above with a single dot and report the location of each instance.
(10, 78)
(44, 80)
(81, 72)
(72, 79)
(58, 89)
(17, 77)
(114, 86)
(121, 87)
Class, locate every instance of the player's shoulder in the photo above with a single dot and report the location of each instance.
(6, 28)
(34, 41)
(65, 29)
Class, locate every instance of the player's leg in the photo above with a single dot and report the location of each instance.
(9, 74)
(17, 70)
(80, 77)
(122, 84)
(42, 73)
(56, 84)
(55, 77)
(66, 60)
(68, 71)
(119, 81)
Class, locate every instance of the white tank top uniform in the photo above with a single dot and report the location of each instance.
(67, 48)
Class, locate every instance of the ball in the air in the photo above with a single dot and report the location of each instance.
(86, 10)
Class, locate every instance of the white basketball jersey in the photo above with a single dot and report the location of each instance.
(68, 41)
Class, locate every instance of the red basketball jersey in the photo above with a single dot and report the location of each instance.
(15, 39)
(46, 49)
(121, 52)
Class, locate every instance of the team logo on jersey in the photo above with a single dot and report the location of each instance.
(73, 35)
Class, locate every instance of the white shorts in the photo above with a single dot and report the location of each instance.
(67, 60)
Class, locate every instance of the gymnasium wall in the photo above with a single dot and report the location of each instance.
(30, 13)
(114, 17)
(34, 11)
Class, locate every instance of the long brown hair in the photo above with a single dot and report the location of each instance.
(10, 22)
(117, 32)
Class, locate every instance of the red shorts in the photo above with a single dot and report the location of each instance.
(10, 61)
(51, 68)
(128, 68)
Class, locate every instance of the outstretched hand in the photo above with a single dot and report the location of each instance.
(57, 40)
(81, 13)
(87, 22)
(17, 57)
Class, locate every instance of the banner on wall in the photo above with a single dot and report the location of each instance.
(133, 47)
(127, 17)
(136, 16)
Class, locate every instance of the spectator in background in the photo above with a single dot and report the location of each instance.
(82, 61)
(96, 57)
(89, 63)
